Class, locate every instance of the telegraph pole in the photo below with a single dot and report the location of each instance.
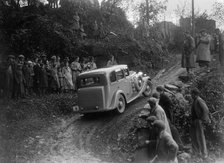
(193, 20)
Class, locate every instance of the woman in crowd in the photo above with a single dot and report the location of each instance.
(54, 84)
(43, 78)
(61, 77)
(67, 73)
(76, 69)
(203, 50)
(92, 63)
(111, 61)
(28, 75)
(19, 90)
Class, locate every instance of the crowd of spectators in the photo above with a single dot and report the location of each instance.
(25, 77)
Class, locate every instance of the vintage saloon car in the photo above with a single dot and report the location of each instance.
(110, 88)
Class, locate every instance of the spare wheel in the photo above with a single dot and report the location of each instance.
(148, 90)
(138, 83)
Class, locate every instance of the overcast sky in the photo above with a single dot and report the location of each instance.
(200, 5)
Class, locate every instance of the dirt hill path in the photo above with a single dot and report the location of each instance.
(93, 139)
(74, 138)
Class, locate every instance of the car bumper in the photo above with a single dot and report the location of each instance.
(78, 109)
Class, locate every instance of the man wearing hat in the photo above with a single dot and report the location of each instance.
(44, 59)
(200, 114)
(165, 102)
(157, 111)
(203, 50)
(21, 59)
(188, 52)
(166, 147)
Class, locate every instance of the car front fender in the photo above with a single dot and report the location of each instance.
(145, 80)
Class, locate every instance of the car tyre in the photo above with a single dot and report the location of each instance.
(121, 104)
(148, 89)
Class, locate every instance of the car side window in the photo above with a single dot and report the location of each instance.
(112, 77)
(126, 72)
(119, 74)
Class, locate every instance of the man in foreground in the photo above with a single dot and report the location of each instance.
(200, 114)
(157, 111)
(166, 147)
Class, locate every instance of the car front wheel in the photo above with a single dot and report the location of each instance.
(148, 89)
(121, 104)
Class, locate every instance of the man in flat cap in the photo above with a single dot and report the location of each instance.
(187, 60)
(165, 102)
(157, 111)
(200, 114)
(166, 147)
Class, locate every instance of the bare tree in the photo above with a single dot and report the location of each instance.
(218, 13)
(183, 9)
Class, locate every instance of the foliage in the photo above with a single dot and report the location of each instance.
(183, 9)
(149, 13)
(35, 29)
(218, 12)
(211, 90)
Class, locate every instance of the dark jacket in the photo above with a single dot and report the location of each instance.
(166, 148)
(167, 105)
(199, 110)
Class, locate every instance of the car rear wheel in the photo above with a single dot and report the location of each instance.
(121, 104)
(148, 89)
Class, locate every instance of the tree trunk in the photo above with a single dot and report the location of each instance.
(147, 11)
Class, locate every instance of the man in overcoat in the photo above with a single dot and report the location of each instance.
(200, 114)
(188, 61)
(203, 50)
(157, 111)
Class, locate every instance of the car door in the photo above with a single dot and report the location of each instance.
(128, 83)
(123, 83)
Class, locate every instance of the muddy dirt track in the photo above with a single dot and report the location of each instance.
(94, 138)
(74, 138)
(85, 139)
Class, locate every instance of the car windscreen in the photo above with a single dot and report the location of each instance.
(91, 81)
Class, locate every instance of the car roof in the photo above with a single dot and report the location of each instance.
(103, 70)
